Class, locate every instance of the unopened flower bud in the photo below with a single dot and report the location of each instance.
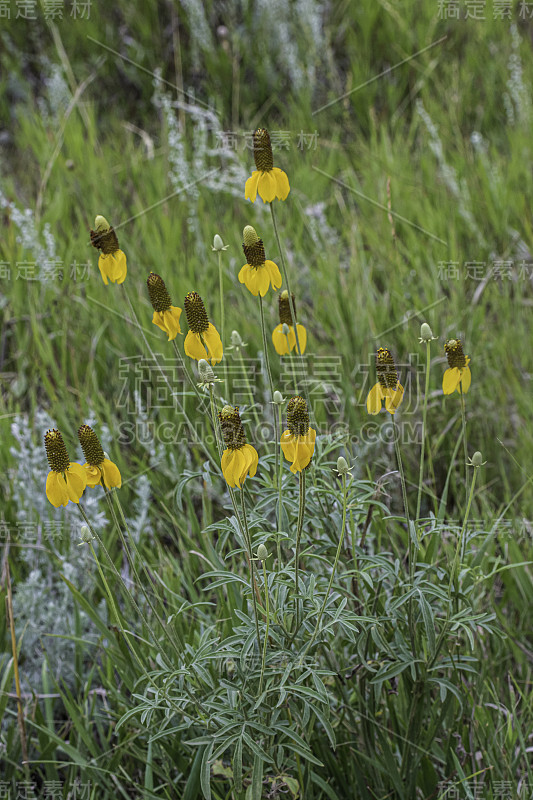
(477, 459)
(277, 398)
(86, 535)
(262, 553)
(426, 334)
(342, 464)
(101, 224)
(218, 244)
(205, 371)
(285, 329)
(236, 340)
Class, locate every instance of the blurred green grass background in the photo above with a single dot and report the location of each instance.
(448, 131)
(444, 138)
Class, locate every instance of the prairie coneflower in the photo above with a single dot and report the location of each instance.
(258, 274)
(112, 261)
(267, 179)
(166, 316)
(388, 387)
(458, 375)
(298, 441)
(239, 459)
(99, 469)
(66, 480)
(203, 340)
(283, 335)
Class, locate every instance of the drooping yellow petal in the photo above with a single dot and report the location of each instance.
(274, 274)
(113, 266)
(213, 343)
(56, 489)
(121, 268)
(266, 186)
(466, 380)
(253, 459)
(302, 456)
(193, 346)
(253, 279)
(263, 280)
(93, 475)
(279, 340)
(450, 380)
(288, 445)
(168, 321)
(244, 276)
(302, 337)
(233, 463)
(111, 474)
(159, 320)
(76, 481)
(311, 439)
(282, 183)
(304, 449)
(373, 401)
(102, 268)
(393, 398)
(250, 188)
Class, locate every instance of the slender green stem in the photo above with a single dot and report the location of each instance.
(291, 304)
(267, 362)
(286, 278)
(131, 562)
(335, 564)
(280, 477)
(453, 577)
(267, 609)
(119, 621)
(289, 356)
(459, 550)
(214, 420)
(301, 511)
(114, 569)
(194, 435)
(181, 360)
(248, 541)
(265, 346)
(424, 416)
(463, 421)
(410, 544)
(222, 322)
(249, 389)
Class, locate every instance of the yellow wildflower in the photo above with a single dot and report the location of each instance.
(283, 335)
(66, 480)
(458, 375)
(298, 441)
(203, 339)
(99, 469)
(258, 274)
(112, 261)
(267, 179)
(166, 316)
(239, 459)
(388, 387)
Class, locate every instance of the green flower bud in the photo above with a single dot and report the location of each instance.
(426, 334)
(236, 340)
(262, 553)
(101, 224)
(218, 244)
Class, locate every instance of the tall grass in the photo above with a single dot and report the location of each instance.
(145, 674)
